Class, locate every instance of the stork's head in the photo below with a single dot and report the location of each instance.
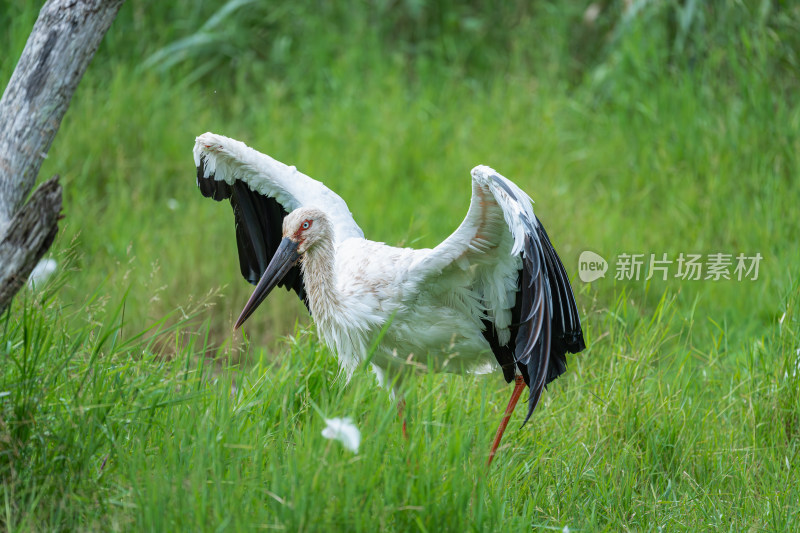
(306, 226)
(303, 228)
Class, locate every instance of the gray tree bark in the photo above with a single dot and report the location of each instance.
(59, 49)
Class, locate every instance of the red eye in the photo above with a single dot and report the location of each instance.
(306, 224)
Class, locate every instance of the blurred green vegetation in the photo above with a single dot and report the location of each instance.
(659, 127)
(636, 126)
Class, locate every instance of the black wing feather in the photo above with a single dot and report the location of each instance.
(503, 353)
(547, 297)
(259, 220)
(545, 321)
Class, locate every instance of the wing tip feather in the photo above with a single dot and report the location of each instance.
(210, 187)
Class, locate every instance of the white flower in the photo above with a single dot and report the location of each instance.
(796, 363)
(343, 430)
(172, 204)
(41, 272)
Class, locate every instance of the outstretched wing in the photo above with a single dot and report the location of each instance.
(262, 191)
(531, 316)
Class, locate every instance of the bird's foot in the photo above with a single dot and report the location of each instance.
(401, 407)
(519, 384)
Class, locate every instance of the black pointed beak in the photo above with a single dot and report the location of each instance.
(286, 256)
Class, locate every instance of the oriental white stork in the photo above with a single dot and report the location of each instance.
(493, 293)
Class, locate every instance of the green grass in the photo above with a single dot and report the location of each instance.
(126, 402)
(647, 430)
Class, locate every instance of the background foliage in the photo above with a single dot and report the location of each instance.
(659, 126)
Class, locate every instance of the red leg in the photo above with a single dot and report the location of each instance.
(519, 384)
(401, 407)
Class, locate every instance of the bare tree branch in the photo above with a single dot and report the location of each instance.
(59, 49)
(30, 235)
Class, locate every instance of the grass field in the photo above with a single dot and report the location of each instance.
(126, 402)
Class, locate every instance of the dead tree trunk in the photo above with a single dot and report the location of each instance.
(60, 47)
